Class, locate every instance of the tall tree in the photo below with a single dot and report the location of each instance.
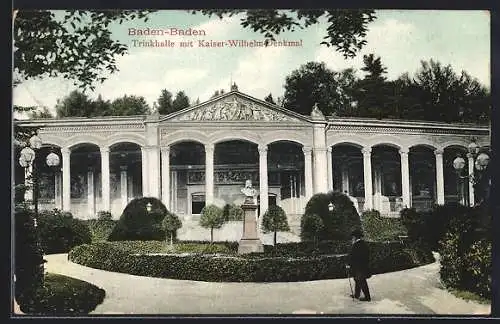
(181, 101)
(76, 104)
(269, 98)
(346, 30)
(77, 47)
(443, 95)
(314, 83)
(165, 102)
(101, 107)
(372, 92)
(128, 105)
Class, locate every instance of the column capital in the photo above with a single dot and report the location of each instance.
(262, 149)
(403, 151)
(306, 149)
(320, 149)
(65, 150)
(470, 156)
(90, 169)
(104, 149)
(329, 149)
(123, 168)
(209, 147)
(367, 151)
(438, 152)
(165, 149)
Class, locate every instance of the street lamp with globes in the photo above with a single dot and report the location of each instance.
(481, 161)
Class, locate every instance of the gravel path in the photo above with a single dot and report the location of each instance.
(412, 291)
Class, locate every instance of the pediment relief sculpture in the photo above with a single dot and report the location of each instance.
(234, 109)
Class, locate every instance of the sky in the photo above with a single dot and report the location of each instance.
(402, 38)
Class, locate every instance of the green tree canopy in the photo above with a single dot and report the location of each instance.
(269, 98)
(314, 83)
(128, 106)
(211, 217)
(437, 92)
(76, 104)
(274, 220)
(346, 28)
(77, 46)
(165, 102)
(181, 101)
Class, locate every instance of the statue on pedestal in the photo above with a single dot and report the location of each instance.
(249, 192)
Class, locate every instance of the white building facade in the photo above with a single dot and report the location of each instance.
(203, 155)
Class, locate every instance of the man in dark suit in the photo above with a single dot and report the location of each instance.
(359, 265)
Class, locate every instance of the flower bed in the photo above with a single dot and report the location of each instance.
(231, 267)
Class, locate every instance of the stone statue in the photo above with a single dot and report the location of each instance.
(249, 192)
(316, 113)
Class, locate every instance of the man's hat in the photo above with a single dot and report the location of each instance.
(357, 233)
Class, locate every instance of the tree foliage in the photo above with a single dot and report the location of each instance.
(77, 46)
(211, 217)
(269, 98)
(346, 28)
(274, 220)
(165, 102)
(437, 92)
(181, 101)
(78, 104)
(171, 223)
(314, 83)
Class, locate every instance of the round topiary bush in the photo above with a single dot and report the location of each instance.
(212, 217)
(59, 231)
(337, 224)
(232, 212)
(137, 223)
(274, 220)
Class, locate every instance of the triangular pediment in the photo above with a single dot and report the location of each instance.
(236, 106)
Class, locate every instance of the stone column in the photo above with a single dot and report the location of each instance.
(106, 191)
(144, 164)
(367, 172)
(66, 179)
(123, 186)
(405, 177)
(209, 174)
(470, 158)
(308, 175)
(153, 171)
(90, 193)
(320, 170)
(28, 182)
(263, 185)
(330, 168)
(165, 176)
(439, 177)
(57, 189)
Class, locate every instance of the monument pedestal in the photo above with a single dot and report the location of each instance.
(250, 241)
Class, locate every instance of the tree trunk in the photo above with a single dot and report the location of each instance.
(275, 234)
(171, 239)
(211, 235)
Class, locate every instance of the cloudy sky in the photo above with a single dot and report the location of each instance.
(402, 38)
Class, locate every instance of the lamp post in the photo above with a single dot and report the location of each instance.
(480, 163)
(331, 207)
(149, 207)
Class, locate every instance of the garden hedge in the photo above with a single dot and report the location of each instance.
(378, 228)
(231, 267)
(59, 231)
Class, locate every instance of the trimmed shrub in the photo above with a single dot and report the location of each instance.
(100, 229)
(171, 223)
(378, 228)
(59, 231)
(274, 220)
(242, 268)
(478, 263)
(211, 217)
(63, 295)
(232, 212)
(339, 223)
(104, 215)
(136, 223)
(28, 256)
(312, 227)
(415, 224)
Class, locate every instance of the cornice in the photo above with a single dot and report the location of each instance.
(406, 129)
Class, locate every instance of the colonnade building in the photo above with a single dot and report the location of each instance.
(204, 154)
